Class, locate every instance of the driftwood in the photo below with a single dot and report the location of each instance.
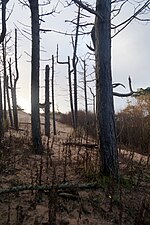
(50, 187)
(86, 145)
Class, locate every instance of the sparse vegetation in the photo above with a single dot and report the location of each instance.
(72, 173)
(133, 124)
(86, 127)
(64, 186)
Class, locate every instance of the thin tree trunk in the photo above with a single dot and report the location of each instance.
(70, 86)
(35, 113)
(93, 95)
(85, 94)
(53, 98)
(1, 114)
(104, 92)
(47, 103)
(15, 85)
(70, 93)
(5, 77)
(13, 95)
(9, 105)
(74, 62)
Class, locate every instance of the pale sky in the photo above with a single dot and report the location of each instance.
(130, 54)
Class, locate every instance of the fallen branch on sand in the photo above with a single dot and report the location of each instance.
(50, 187)
(86, 145)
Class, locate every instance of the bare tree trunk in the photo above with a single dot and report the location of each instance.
(9, 105)
(1, 114)
(93, 95)
(70, 93)
(3, 33)
(104, 92)
(35, 113)
(47, 103)
(13, 95)
(70, 87)
(74, 62)
(15, 85)
(85, 94)
(5, 78)
(2, 36)
(53, 98)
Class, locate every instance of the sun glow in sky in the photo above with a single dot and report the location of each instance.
(130, 54)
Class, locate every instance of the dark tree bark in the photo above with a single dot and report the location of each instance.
(70, 87)
(85, 94)
(74, 63)
(104, 92)
(47, 103)
(3, 33)
(35, 114)
(5, 79)
(93, 96)
(53, 98)
(14, 99)
(1, 114)
(2, 36)
(9, 105)
(13, 95)
(70, 93)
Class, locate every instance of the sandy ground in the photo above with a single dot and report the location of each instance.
(59, 164)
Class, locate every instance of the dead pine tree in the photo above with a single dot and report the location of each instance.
(93, 97)
(101, 36)
(70, 85)
(6, 99)
(1, 114)
(3, 32)
(104, 91)
(2, 36)
(8, 102)
(74, 64)
(85, 93)
(47, 102)
(53, 97)
(35, 58)
(70, 92)
(13, 95)
(5, 79)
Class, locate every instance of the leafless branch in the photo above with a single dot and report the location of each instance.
(60, 32)
(127, 94)
(117, 84)
(130, 19)
(60, 62)
(116, 11)
(87, 8)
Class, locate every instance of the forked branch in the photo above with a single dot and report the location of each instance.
(126, 94)
(87, 8)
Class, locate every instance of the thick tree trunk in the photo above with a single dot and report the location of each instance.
(47, 103)
(35, 114)
(3, 33)
(104, 93)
